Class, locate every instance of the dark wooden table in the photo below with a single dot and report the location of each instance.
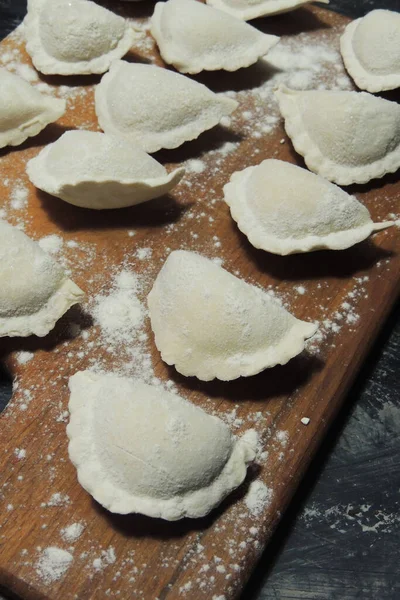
(340, 537)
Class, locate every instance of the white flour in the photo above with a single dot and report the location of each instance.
(72, 532)
(258, 497)
(53, 564)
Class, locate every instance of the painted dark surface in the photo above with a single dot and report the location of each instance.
(340, 538)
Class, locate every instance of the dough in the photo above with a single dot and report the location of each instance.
(34, 290)
(251, 9)
(284, 209)
(138, 448)
(98, 171)
(195, 37)
(210, 324)
(156, 108)
(24, 112)
(77, 37)
(347, 137)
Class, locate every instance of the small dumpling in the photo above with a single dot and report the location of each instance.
(347, 137)
(156, 108)
(211, 324)
(195, 37)
(77, 37)
(138, 448)
(34, 290)
(251, 9)
(284, 209)
(94, 170)
(24, 112)
(370, 49)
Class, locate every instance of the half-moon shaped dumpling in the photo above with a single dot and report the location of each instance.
(210, 324)
(34, 290)
(98, 171)
(24, 112)
(195, 37)
(138, 448)
(347, 137)
(77, 37)
(251, 9)
(284, 209)
(371, 50)
(156, 108)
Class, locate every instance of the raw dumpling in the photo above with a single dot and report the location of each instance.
(210, 324)
(156, 108)
(138, 448)
(24, 112)
(195, 37)
(95, 170)
(251, 9)
(347, 137)
(371, 50)
(76, 37)
(284, 209)
(34, 290)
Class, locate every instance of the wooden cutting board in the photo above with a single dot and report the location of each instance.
(349, 293)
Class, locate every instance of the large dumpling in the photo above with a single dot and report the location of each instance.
(195, 37)
(371, 50)
(284, 209)
(77, 37)
(156, 108)
(138, 448)
(34, 290)
(211, 324)
(98, 171)
(251, 9)
(347, 137)
(24, 112)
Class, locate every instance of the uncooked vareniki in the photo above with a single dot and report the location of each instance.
(77, 37)
(34, 290)
(210, 324)
(153, 453)
(284, 209)
(24, 112)
(347, 137)
(251, 9)
(94, 170)
(156, 108)
(370, 49)
(195, 37)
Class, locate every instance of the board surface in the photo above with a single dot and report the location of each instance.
(348, 292)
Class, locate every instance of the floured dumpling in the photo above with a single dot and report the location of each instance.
(347, 137)
(34, 290)
(77, 37)
(210, 324)
(251, 9)
(156, 108)
(371, 50)
(24, 112)
(138, 448)
(195, 37)
(98, 171)
(284, 209)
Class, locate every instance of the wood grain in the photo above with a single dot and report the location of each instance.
(156, 559)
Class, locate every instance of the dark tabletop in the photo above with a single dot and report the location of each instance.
(340, 537)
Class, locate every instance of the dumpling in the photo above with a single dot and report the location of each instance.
(77, 37)
(284, 209)
(347, 137)
(156, 108)
(371, 50)
(210, 324)
(24, 112)
(98, 171)
(138, 448)
(251, 9)
(34, 290)
(195, 37)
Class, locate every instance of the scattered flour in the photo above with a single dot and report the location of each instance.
(258, 497)
(51, 244)
(24, 357)
(72, 532)
(19, 196)
(53, 564)
(20, 453)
